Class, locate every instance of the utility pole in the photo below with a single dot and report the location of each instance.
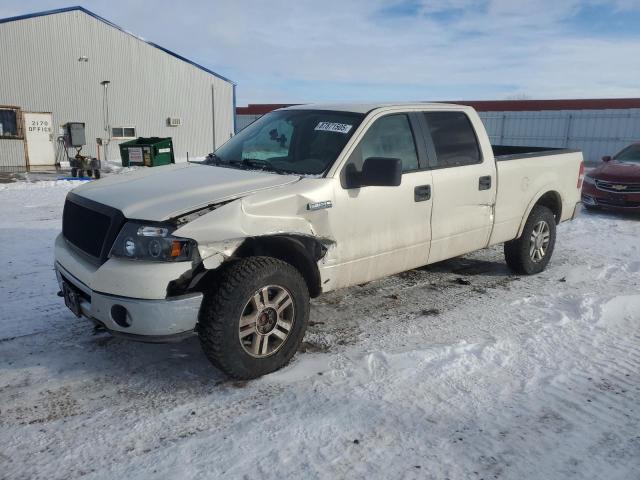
(105, 116)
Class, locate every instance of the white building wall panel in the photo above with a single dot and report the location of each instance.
(12, 155)
(41, 72)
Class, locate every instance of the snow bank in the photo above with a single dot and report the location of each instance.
(415, 376)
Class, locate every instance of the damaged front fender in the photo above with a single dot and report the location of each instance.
(221, 230)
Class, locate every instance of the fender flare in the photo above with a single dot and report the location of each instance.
(536, 198)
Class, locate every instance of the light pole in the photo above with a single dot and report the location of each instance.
(105, 116)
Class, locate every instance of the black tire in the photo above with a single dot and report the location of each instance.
(89, 173)
(225, 303)
(96, 174)
(517, 252)
(74, 172)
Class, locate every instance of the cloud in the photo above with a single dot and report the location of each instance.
(298, 51)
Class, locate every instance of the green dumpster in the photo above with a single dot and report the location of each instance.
(148, 152)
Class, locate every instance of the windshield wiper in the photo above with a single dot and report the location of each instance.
(245, 164)
(256, 163)
(212, 159)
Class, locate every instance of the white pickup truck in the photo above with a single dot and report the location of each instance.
(305, 200)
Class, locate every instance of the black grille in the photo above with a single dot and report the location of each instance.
(90, 226)
(617, 187)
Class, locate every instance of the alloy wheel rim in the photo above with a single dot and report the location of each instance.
(266, 321)
(539, 241)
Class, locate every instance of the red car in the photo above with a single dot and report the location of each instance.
(616, 183)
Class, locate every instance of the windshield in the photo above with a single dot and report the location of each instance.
(303, 142)
(631, 154)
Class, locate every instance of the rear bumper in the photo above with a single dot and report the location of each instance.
(161, 320)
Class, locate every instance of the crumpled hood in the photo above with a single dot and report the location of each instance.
(160, 193)
(617, 172)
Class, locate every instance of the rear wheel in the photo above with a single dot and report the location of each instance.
(253, 321)
(531, 252)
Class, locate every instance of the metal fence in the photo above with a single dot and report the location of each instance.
(244, 120)
(595, 132)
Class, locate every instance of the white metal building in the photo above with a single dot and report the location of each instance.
(53, 64)
(596, 126)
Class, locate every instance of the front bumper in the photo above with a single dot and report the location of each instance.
(595, 197)
(158, 320)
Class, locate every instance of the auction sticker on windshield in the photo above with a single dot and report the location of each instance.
(333, 127)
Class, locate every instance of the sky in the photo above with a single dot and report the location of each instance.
(371, 50)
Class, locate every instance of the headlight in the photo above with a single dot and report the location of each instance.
(589, 180)
(140, 241)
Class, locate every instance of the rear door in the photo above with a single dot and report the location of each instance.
(383, 230)
(464, 185)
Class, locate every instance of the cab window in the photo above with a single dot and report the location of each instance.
(454, 139)
(389, 137)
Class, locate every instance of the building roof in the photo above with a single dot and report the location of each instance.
(261, 108)
(535, 105)
(111, 24)
(496, 105)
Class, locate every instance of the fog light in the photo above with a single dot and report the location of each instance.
(130, 247)
(121, 316)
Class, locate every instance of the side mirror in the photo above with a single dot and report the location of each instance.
(606, 158)
(377, 172)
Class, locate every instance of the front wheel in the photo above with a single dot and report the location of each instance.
(253, 321)
(531, 252)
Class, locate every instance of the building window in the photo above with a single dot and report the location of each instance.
(10, 123)
(123, 132)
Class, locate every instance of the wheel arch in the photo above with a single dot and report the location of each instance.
(300, 251)
(547, 197)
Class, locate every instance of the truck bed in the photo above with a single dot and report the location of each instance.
(538, 170)
(513, 152)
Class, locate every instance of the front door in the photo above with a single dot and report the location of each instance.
(38, 134)
(381, 230)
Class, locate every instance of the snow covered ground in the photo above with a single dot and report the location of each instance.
(459, 370)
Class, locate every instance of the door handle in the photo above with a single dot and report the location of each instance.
(422, 193)
(484, 183)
